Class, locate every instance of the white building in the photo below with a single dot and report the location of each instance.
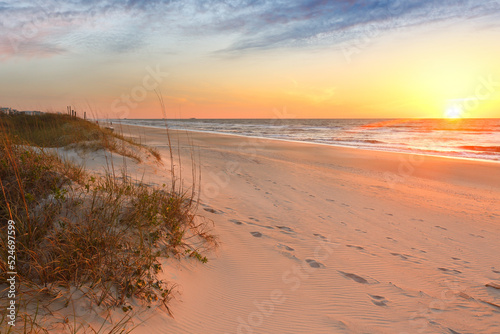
(32, 112)
(10, 111)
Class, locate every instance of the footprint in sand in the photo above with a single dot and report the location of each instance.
(290, 256)
(361, 231)
(392, 239)
(254, 219)
(453, 332)
(330, 200)
(450, 270)
(212, 210)
(314, 263)
(476, 235)
(354, 277)
(495, 271)
(406, 257)
(236, 221)
(442, 228)
(457, 259)
(285, 229)
(379, 300)
(285, 247)
(493, 285)
(256, 234)
(372, 209)
(286, 251)
(319, 236)
(401, 256)
(417, 220)
(389, 214)
(421, 251)
(357, 247)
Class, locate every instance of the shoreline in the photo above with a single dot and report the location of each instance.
(395, 167)
(323, 144)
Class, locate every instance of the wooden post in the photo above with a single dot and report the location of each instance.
(85, 115)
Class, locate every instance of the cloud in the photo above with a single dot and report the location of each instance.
(333, 22)
(33, 49)
(50, 26)
(118, 26)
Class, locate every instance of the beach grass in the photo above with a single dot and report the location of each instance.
(102, 236)
(56, 130)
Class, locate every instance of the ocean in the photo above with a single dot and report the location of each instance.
(461, 138)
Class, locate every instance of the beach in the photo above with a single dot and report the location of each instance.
(322, 239)
(248, 167)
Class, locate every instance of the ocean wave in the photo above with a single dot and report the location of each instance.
(494, 149)
(373, 141)
(359, 141)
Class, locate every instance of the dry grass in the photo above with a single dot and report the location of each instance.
(103, 236)
(53, 130)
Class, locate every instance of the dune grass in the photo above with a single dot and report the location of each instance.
(55, 130)
(101, 235)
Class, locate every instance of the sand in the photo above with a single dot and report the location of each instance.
(322, 239)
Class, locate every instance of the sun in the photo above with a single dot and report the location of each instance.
(454, 112)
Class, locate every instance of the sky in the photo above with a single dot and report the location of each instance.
(252, 58)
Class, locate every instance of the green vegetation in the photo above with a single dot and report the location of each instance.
(104, 236)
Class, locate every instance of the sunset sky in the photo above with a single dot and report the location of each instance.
(247, 59)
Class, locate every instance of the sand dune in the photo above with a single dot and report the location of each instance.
(318, 239)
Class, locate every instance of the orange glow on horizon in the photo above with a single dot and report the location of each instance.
(393, 77)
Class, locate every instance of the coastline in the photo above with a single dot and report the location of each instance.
(409, 152)
(406, 163)
(317, 238)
